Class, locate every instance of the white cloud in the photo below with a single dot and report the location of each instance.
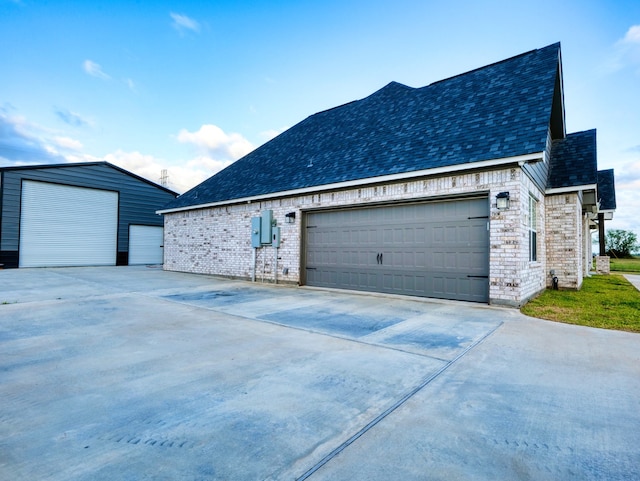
(26, 143)
(626, 50)
(208, 164)
(68, 143)
(632, 36)
(267, 135)
(71, 118)
(182, 23)
(628, 177)
(180, 178)
(23, 142)
(131, 84)
(94, 69)
(211, 141)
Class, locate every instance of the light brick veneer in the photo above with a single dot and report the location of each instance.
(217, 240)
(603, 264)
(564, 239)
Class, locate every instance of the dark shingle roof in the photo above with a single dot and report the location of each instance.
(606, 190)
(573, 161)
(497, 111)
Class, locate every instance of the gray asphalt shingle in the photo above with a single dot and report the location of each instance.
(606, 190)
(493, 112)
(573, 161)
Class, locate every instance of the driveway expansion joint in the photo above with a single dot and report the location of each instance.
(394, 407)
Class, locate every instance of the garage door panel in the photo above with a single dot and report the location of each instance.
(145, 244)
(429, 249)
(451, 260)
(63, 225)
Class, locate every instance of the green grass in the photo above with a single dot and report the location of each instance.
(608, 302)
(626, 265)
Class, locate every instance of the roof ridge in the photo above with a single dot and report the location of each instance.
(582, 131)
(53, 166)
(335, 108)
(392, 84)
(87, 164)
(510, 59)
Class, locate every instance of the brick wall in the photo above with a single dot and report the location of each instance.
(217, 240)
(564, 239)
(514, 279)
(603, 264)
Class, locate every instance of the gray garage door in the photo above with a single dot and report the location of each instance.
(431, 249)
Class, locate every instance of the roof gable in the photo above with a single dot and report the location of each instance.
(606, 190)
(573, 161)
(498, 111)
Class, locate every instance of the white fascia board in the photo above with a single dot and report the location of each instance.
(567, 190)
(608, 214)
(483, 164)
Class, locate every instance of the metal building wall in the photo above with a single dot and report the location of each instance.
(139, 200)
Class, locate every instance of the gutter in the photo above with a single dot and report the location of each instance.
(566, 190)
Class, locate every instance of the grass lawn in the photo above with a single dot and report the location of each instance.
(609, 302)
(626, 265)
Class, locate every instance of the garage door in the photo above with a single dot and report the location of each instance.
(145, 244)
(432, 249)
(62, 225)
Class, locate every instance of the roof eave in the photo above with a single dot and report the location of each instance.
(483, 164)
(571, 189)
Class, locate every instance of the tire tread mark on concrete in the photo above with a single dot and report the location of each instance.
(525, 445)
(151, 441)
(392, 408)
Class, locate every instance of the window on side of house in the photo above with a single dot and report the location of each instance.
(533, 229)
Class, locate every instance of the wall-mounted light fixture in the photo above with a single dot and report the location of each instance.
(502, 200)
(290, 218)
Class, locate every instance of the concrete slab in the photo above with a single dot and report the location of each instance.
(535, 401)
(634, 279)
(137, 373)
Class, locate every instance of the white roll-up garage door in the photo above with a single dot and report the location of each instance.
(145, 244)
(62, 225)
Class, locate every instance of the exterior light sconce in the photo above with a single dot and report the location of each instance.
(502, 200)
(290, 218)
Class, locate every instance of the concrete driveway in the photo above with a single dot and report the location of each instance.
(133, 373)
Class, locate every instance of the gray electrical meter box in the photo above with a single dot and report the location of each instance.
(265, 231)
(275, 241)
(256, 222)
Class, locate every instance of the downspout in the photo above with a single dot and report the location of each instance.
(255, 264)
(275, 266)
(601, 237)
(588, 260)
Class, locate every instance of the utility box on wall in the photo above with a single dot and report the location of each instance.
(275, 242)
(265, 230)
(256, 223)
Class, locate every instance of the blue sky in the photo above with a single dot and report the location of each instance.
(191, 86)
